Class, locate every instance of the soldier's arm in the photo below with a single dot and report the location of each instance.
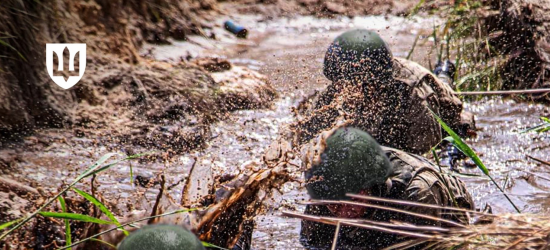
(424, 188)
(431, 187)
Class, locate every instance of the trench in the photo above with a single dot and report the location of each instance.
(290, 52)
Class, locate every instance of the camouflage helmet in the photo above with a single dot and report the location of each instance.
(166, 237)
(349, 160)
(358, 52)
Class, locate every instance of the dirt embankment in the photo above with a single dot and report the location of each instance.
(325, 8)
(520, 30)
(123, 98)
(122, 95)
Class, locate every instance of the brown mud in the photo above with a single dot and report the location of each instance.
(125, 102)
(164, 98)
(519, 32)
(324, 8)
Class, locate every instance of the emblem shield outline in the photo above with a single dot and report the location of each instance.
(73, 49)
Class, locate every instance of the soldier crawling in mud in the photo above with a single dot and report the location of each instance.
(392, 100)
(348, 160)
(388, 97)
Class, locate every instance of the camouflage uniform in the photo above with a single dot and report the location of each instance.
(413, 179)
(395, 112)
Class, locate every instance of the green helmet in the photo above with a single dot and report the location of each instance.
(358, 52)
(350, 161)
(161, 237)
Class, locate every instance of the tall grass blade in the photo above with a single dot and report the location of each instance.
(416, 8)
(78, 217)
(467, 150)
(9, 223)
(2, 42)
(101, 207)
(98, 169)
(413, 47)
(68, 238)
(127, 224)
(103, 242)
(206, 244)
(539, 128)
(95, 168)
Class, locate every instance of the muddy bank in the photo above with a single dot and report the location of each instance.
(323, 8)
(520, 30)
(125, 102)
(113, 32)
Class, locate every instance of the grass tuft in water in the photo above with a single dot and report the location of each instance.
(544, 127)
(97, 167)
(468, 151)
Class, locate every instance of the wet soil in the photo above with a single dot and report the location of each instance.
(290, 53)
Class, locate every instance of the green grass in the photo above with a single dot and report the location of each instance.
(77, 217)
(468, 151)
(101, 207)
(127, 224)
(96, 168)
(9, 223)
(544, 127)
(463, 36)
(68, 236)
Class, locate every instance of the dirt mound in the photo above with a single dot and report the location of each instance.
(163, 105)
(111, 30)
(326, 8)
(520, 30)
(131, 98)
(123, 98)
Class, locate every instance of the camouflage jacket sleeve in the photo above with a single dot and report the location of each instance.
(416, 179)
(440, 96)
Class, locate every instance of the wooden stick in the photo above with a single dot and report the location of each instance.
(392, 209)
(7, 185)
(336, 232)
(504, 92)
(538, 160)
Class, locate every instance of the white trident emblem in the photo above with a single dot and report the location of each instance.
(73, 49)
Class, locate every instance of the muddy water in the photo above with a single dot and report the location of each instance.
(504, 149)
(290, 53)
(292, 57)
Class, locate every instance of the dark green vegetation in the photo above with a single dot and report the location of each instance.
(468, 151)
(543, 127)
(497, 44)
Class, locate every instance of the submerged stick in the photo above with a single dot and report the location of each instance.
(336, 221)
(392, 209)
(504, 92)
(538, 160)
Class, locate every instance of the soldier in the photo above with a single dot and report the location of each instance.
(348, 160)
(161, 237)
(388, 97)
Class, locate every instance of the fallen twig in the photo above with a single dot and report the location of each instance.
(538, 160)
(504, 92)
